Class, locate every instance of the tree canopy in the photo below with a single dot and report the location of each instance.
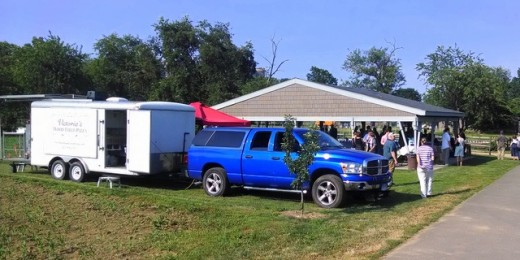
(321, 76)
(201, 62)
(376, 69)
(461, 81)
(126, 67)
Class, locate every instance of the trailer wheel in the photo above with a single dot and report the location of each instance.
(328, 191)
(77, 172)
(59, 170)
(215, 182)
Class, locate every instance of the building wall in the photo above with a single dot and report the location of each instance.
(300, 101)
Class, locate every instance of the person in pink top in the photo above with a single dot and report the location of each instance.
(425, 157)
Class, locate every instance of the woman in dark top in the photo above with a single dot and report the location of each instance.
(357, 142)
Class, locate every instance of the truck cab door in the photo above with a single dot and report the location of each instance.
(262, 161)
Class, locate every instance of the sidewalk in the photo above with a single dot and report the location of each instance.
(486, 226)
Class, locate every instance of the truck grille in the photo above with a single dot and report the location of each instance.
(377, 167)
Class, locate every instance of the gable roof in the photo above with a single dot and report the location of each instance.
(269, 96)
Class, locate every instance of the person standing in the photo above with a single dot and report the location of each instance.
(357, 142)
(501, 145)
(514, 147)
(371, 142)
(333, 131)
(459, 149)
(390, 152)
(446, 146)
(425, 157)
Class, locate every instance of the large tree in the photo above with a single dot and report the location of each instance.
(49, 65)
(442, 71)
(459, 80)
(321, 76)
(201, 62)
(483, 98)
(376, 69)
(513, 94)
(12, 115)
(126, 67)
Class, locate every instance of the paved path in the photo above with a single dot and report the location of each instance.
(486, 226)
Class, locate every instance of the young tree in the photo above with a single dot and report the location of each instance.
(376, 69)
(299, 165)
(321, 76)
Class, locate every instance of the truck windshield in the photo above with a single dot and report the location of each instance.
(325, 141)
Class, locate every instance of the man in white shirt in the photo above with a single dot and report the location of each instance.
(446, 147)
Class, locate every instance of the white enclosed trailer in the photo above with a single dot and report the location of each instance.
(75, 137)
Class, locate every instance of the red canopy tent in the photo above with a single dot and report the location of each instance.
(209, 116)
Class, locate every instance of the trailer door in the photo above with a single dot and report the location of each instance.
(138, 141)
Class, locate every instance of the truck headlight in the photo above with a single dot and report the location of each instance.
(351, 168)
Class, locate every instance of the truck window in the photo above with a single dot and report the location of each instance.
(260, 141)
(202, 138)
(278, 140)
(226, 139)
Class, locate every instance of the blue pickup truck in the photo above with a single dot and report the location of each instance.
(253, 159)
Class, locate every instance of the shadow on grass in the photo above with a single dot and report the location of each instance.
(476, 160)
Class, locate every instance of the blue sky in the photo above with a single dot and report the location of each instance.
(310, 33)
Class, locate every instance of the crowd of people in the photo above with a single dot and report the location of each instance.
(370, 140)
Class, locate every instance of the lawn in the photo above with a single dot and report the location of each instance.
(168, 218)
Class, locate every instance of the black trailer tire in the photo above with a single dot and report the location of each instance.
(215, 182)
(328, 191)
(76, 172)
(59, 170)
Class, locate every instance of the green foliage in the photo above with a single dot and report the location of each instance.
(376, 69)
(513, 94)
(460, 81)
(125, 67)
(7, 60)
(256, 84)
(306, 153)
(201, 62)
(48, 65)
(321, 76)
(408, 93)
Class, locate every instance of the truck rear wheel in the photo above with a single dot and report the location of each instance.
(215, 182)
(59, 170)
(328, 191)
(77, 172)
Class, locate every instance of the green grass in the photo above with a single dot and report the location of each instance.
(150, 218)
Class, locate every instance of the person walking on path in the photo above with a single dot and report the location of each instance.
(390, 152)
(445, 146)
(459, 149)
(425, 157)
(501, 145)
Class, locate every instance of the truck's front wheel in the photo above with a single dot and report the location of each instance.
(59, 170)
(328, 191)
(215, 182)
